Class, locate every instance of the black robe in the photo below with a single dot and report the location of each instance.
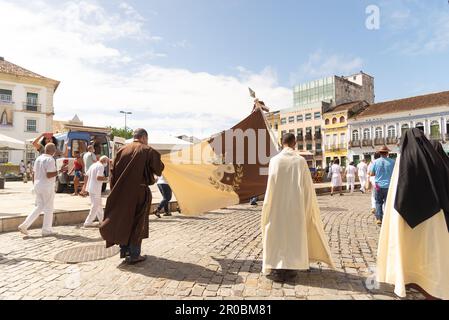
(423, 185)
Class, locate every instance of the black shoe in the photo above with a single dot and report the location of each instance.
(124, 254)
(157, 214)
(167, 214)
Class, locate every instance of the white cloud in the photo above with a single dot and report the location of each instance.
(321, 65)
(71, 42)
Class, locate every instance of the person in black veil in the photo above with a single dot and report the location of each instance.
(439, 148)
(414, 240)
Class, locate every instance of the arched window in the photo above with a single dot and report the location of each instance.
(366, 134)
(327, 121)
(378, 133)
(355, 135)
(391, 131)
(342, 119)
(435, 129)
(420, 126)
(334, 120)
(4, 119)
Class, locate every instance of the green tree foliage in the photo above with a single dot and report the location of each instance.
(121, 132)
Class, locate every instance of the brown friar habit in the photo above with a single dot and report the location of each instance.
(126, 213)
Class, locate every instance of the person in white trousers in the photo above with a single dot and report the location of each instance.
(350, 177)
(95, 181)
(362, 169)
(44, 187)
(373, 183)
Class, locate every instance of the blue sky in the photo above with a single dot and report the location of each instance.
(183, 65)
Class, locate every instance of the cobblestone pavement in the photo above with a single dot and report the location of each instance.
(215, 256)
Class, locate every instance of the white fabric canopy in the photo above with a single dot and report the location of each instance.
(11, 143)
(160, 142)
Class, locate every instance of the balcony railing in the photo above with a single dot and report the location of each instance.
(318, 136)
(435, 137)
(300, 137)
(337, 147)
(308, 136)
(6, 98)
(318, 152)
(355, 143)
(392, 140)
(379, 141)
(367, 142)
(31, 106)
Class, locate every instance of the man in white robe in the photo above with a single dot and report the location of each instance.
(362, 169)
(292, 230)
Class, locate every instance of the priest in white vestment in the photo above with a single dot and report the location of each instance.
(292, 230)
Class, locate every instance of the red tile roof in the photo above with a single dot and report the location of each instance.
(407, 104)
(12, 69)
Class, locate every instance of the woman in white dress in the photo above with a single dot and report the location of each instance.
(335, 173)
(350, 177)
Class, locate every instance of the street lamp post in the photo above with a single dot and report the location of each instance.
(125, 113)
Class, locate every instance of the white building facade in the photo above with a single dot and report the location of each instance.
(385, 126)
(26, 108)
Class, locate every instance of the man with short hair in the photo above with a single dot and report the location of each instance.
(44, 187)
(382, 170)
(362, 169)
(126, 220)
(292, 230)
(89, 158)
(95, 181)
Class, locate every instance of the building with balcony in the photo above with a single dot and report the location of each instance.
(312, 99)
(383, 124)
(336, 130)
(26, 107)
(274, 123)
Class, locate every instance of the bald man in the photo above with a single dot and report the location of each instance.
(44, 188)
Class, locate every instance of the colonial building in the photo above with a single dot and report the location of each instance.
(26, 107)
(336, 130)
(384, 123)
(274, 121)
(313, 99)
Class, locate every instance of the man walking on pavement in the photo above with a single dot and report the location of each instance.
(44, 187)
(362, 169)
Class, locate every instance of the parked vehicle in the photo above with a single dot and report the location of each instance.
(77, 139)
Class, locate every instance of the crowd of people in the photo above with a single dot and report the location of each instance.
(410, 197)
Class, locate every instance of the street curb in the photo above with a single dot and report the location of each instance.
(61, 218)
(66, 218)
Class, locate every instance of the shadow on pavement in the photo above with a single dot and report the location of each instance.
(155, 267)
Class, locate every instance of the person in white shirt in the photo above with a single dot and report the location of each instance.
(362, 168)
(95, 181)
(372, 181)
(23, 171)
(166, 193)
(44, 188)
(89, 158)
(350, 177)
(335, 173)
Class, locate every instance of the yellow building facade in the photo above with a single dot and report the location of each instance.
(335, 130)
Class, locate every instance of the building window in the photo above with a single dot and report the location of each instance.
(391, 132)
(327, 122)
(308, 116)
(318, 146)
(378, 133)
(317, 115)
(355, 135)
(31, 125)
(32, 104)
(334, 120)
(300, 147)
(283, 120)
(342, 119)
(366, 134)
(420, 126)
(4, 156)
(299, 118)
(404, 128)
(30, 156)
(435, 129)
(5, 96)
(291, 119)
(342, 138)
(309, 147)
